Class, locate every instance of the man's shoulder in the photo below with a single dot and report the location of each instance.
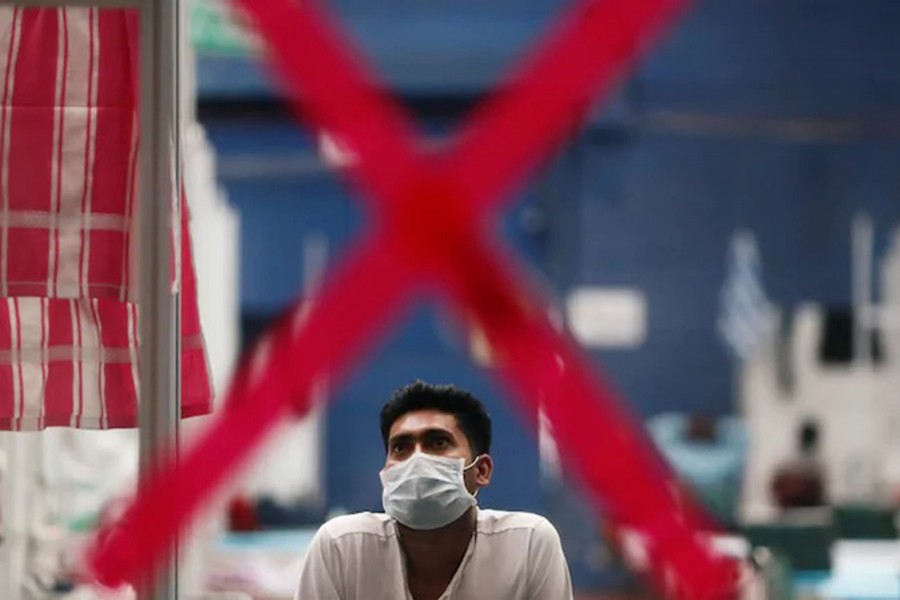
(522, 534)
(499, 521)
(358, 524)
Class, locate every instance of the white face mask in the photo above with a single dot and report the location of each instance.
(425, 491)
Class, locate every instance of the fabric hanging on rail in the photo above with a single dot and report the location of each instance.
(68, 225)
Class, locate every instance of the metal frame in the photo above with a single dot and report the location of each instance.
(160, 169)
(160, 323)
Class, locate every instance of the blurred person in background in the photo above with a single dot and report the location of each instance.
(800, 482)
(433, 542)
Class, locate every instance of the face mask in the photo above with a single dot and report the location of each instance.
(425, 491)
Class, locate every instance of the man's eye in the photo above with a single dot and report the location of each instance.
(441, 443)
(398, 448)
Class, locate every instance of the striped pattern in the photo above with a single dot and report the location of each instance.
(746, 314)
(68, 185)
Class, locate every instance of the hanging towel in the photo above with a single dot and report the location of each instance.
(68, 223)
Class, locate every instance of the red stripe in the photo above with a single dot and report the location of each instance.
(7, 397)
(79, 362)
(58, 398)
(84, 286)
(121, 402)
(121, 387)
(29, 252)
(114, 315)
(113, 192)
(121, 406)
(125, 269)
(17, 323)
(31, 157)
(115, 96)
(196, 388)
(132, 26)
(6, 76)
(102, 345)
(135, 336)
(128, 21)
(121, 398)
(4, 154)
(45, 368)
(59, 159)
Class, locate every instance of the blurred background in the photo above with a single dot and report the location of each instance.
(722, 237)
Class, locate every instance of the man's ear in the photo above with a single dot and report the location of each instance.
(484, 468)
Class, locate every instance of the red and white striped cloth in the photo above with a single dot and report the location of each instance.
(68, 185)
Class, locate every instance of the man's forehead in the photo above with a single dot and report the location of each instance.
(418, 421)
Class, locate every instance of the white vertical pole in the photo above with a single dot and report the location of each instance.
(17, 484)
(863, 240)
(862, 472)
(160, 325)
(315, 263)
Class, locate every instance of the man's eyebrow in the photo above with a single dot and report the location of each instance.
(437, 431)
(431, 432)
(400, 437)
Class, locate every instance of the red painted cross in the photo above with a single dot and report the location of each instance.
(430, 235)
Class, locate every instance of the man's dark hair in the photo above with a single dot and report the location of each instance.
(469, 411)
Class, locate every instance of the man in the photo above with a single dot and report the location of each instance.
(434, 543)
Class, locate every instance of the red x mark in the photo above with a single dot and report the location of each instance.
(430, 235)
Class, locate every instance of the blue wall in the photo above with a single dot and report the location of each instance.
(782, 116)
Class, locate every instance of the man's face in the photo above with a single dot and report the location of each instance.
(428, 431)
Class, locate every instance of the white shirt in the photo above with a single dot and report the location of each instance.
(512, 556)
